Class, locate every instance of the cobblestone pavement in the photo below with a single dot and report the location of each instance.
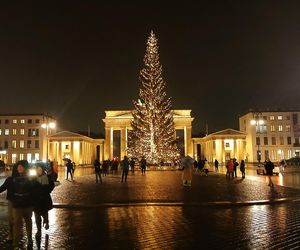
(168, 227)
(157, 227)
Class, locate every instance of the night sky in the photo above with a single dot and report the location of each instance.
(76, 59)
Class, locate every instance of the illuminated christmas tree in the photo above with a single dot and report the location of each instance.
(153, 134)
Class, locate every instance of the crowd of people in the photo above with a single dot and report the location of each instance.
(28, 191)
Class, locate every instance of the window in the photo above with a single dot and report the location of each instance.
(261, 129)
(6, 144)
(281, 154)
(22, 131)
(37, 144)
(29, 144)
(21, 156)
(29, 157)
(14, 131)
(6, 131)
(15, 121)
(22, 143)
(29, 132)
(33, 133)
(266, 140)
(274, 155)
(29, 121)
(279, 118)
(272, 128)
(37, 121)
(272, 118)
(22, 121)
(273, 140)
(13, 158)
(281, 140)
(289, 140)
(265, 117)
(67, 146)
(280, 128)
(14, 144)
(288, 128)
(288, 117)
(6, 121)
(257, 141)
(0, 121)
(36, 156)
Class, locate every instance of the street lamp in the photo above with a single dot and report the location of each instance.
(257, 120)
(47, 126)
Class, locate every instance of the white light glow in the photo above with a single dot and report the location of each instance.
(44, 125)
(252, 122)
(52, 125)
(32, 172)
(261, 122)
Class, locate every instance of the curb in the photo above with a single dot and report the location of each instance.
(174, 204)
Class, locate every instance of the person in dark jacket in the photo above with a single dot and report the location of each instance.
(43, 201)
(269, 166)
(7, 186)
(216, 165)
(143, 165)
(235, 164)
(243, 168)
(23, 196)
(125, 168)
(69, 166)
(132, 165)
(97, 166)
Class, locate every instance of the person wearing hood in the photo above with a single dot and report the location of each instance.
(23, 196)
(7, 186)
(187, 165)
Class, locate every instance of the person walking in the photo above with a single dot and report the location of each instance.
(216, 165)
(125, 168)
(97, 166)
(132, 165)
(269, 166)
(235, 164)
(187, 165)
(230, 168)
(242, 168)
(43, 201)
(143, 165)
(23, 196)
(73, 168)
(69, 166)
(7, 186)
(282, 167)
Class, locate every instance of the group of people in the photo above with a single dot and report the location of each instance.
(126, 164)
(231, 168)
(27, 192)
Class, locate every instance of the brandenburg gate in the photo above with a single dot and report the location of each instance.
(121, 121)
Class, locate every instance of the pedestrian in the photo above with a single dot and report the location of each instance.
(230, 168)
(55, 169)
(7, 185)
(206, 167)
(187, 166)
(125, 168)
(269, 166)
(104, 168)
(97, 166)
(242, 168)
(143, 165)
(74, 167)
(235, 164)
(216, 165)
(200, 166)
(132, 165)
(69, 166)
(23, 197)
(282, 167)
(43, 202)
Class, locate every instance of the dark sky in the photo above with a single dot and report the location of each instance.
(75, 59)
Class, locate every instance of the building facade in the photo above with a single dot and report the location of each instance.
(271, 135)
(83, 150)
(118, 123)
(24, 137)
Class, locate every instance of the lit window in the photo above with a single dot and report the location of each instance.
(280, 128)
(13, 158)
(29, 157)
(22, 131)
(279, 118)
(272, 117)
(272, 128)
(36, 156)
(33, 133)
(288, 128)
(22, 121)
(281, 140)
(21, 156)
(6, 131)
(274, 155)
(14, 131)
(14, 121)
(22, 143)
(14, 144)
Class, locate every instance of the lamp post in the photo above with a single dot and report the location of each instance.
(257, 121)
(47, 126)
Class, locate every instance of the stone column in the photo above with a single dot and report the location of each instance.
(188, 149)
(123, 142)
(108, 143)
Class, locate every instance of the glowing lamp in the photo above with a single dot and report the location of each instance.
(44, 125)
(252, 122)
